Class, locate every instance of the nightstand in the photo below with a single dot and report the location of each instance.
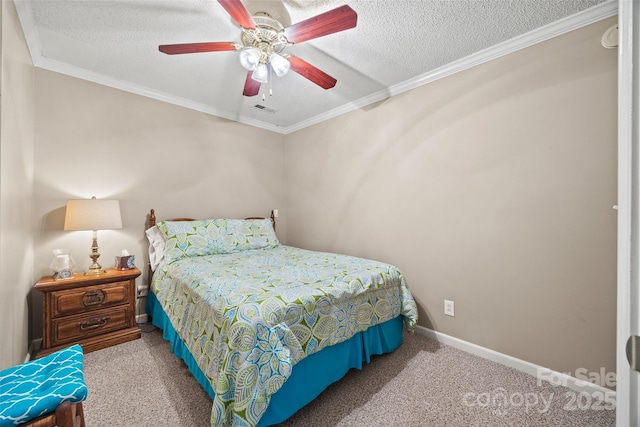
(95, 311)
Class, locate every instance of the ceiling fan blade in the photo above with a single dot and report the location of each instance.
(251, 87)
(330, 22)
(238, 12)
(312, 73)
(173, 49)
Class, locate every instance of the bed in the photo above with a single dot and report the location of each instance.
(265, 327)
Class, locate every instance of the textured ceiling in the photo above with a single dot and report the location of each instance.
(397, 45)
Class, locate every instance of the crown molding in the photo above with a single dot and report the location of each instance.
(563, 26)
(579, 20)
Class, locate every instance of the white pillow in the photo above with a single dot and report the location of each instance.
(156, 246)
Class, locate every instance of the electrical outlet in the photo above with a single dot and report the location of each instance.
(275, 213)
(449, 308)
(142, 291)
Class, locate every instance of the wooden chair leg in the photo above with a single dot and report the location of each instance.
(68, 415)
(79, 415)
(64, 415)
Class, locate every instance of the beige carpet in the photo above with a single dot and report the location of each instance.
(423, 383)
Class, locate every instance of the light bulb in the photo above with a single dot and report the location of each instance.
(249, 58)
(279, 64)
(261, 73)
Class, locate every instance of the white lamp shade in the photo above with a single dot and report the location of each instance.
(92, 214)
(249, 58)
(279, 64)
(261, 73)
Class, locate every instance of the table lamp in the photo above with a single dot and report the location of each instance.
(93, 214)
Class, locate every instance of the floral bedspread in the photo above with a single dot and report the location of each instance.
(248, 317)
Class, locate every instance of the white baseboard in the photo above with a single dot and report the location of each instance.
(142, 318)
(33, 347)
(558, 378)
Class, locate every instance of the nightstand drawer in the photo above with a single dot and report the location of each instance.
(94, 310)
(89, 298)
(74, 328)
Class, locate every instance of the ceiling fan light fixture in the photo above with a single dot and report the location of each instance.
(250, 58)
(279, 64)
(261, 73)
(263, 39)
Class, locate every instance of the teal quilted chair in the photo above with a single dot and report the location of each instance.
(44, 392)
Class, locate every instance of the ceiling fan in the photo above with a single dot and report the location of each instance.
(264, 40)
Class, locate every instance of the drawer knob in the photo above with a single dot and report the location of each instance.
(93, 298)
(93, 324)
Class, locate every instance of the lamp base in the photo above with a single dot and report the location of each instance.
(95, 268)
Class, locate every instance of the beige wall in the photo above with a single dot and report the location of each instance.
(96, 140)
(493, 188)
(16, 183)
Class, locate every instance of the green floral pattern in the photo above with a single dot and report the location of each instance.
(215, 236)
(249, 316)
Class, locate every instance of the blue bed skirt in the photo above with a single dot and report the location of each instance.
(310, 376)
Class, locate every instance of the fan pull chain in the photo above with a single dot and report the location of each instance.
(269, 79)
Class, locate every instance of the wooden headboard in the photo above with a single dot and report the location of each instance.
(152, 219)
